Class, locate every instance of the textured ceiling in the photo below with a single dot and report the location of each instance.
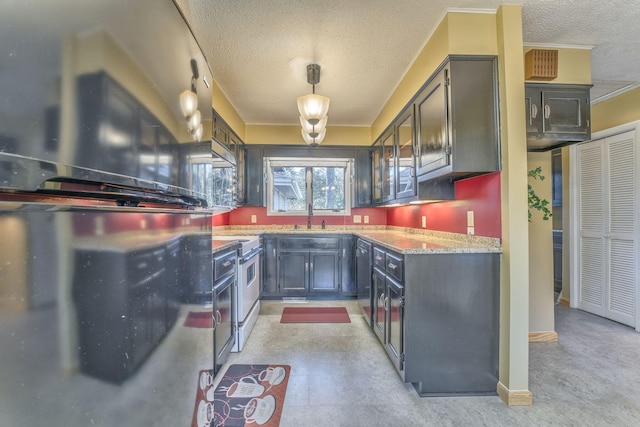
(258, 49)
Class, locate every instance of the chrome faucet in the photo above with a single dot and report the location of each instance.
(309, 216)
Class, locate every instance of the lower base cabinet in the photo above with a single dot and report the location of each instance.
(451, 323)
(437, 317)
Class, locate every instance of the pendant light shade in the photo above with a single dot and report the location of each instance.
(313, 142)
(313, 130)
(313, 107)
(193, 121)
(188, 103)
(197, 133)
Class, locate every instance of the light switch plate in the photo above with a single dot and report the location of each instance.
(254, 219)
(470, 219)
(366, 219)
(357, 219)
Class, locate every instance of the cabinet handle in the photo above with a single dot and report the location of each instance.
(547, 111)
(344, 252)
(386, 304)
(392, 266)
(218, 317)
(274, 251)
(312, 266)
(378, 258)
(227, 263)
(534, 111)
(381, 299)
(306, 266)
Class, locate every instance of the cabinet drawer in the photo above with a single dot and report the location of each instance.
(223, 264)
(378, 258)
(394, 266)
(310, 243)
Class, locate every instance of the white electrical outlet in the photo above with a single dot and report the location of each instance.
(254, 219)
(470, 230)
(357, 219)
(470, 220)
(424, 221)
(366, 219)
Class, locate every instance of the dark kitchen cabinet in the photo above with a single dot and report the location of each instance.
(348, 285)
(363, 271)
(457, 120)
(405, 167)
(556, 115)
(224, 134)
(270, 265)
(362, 191)
(254, 184)
(437, 317)
(120, 135)
(293, 272)
(302, 266)
(377, 168)
(196, 276)
(388, 312)
(128, 311)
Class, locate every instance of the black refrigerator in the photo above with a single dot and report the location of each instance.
(103, 181)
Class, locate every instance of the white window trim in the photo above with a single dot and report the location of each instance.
(270, 162)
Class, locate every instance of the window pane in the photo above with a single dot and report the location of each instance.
(328, 188)
(288, 188)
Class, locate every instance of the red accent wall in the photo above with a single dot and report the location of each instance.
(479, 194)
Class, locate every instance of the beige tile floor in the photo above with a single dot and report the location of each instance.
(340, 376)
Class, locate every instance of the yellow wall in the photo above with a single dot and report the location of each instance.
(574, 66)
(541, 297)
(336, 135)
(226, 110)
(616, 111)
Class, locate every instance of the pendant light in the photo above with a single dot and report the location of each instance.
(313, 107)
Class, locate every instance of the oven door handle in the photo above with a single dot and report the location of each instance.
(252, 253)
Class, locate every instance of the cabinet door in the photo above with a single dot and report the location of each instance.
(533, 106)
(378, 304)
(405, 167)
(240, 174)
(394, 311)
(432, 125)
(389, 167)
(323, 271)
(293, 269)
(362, 192)
(346, 264)
(376, 172)
(565, 112)
(270, 267)
(254, 176)
(363, 278)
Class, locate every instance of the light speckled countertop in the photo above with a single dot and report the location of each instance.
(399, 239)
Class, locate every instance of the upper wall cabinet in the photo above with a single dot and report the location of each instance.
(223, 134)
(557, 115)
(392, 161)
(457, 120)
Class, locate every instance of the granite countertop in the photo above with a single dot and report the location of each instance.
(399, 239)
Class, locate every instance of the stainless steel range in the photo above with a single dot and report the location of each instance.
(247, 300)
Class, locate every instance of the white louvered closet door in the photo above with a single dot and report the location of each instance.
(607, 216)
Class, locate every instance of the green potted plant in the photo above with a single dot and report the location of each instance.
(536, 202)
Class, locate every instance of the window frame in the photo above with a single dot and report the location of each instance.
(308, 162)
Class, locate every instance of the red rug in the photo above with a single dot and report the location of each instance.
(199, 319)
(247, 395)
(315, 315)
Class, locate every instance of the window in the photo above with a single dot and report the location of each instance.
(294, 183)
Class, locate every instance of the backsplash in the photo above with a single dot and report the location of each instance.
(480, 194)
